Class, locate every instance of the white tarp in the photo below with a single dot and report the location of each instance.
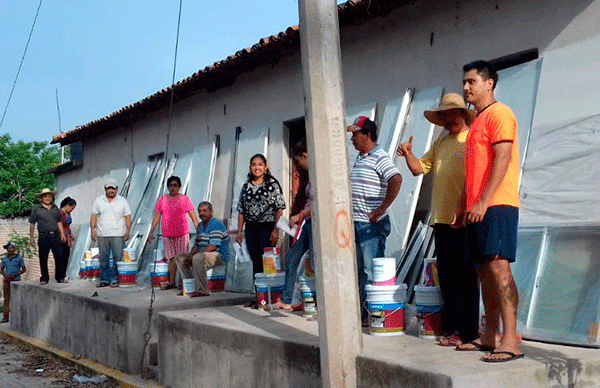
(561, 174)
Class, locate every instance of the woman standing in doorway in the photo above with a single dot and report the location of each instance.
(172, 208)
(67, 205)
(260, 206)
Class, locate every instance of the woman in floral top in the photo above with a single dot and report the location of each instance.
(66, 207)
(259, 207)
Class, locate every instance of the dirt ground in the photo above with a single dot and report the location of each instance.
(23, 367)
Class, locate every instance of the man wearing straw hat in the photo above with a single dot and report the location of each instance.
(50, 232)
(446, 160)
(491, 208)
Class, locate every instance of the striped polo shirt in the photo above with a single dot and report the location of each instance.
(215, 234)
(369, 179)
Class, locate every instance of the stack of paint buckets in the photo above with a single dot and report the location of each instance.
(385, 299)
(269, 287)
(90, 265)
(216, 278)
(429, 302)
(127, 269)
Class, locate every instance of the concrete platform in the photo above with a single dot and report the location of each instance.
(240, 347)
(109, 327)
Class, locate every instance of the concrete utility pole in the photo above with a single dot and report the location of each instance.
(333, 231)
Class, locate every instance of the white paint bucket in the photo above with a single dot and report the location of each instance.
(308, 292)
(82, 269)
(429, 304)
(386, 309)
(269, 288)
(384, 271)
(216, 278)
(189, 287)
(127, 273)
(160, 273)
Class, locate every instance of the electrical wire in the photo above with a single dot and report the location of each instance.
(147, 334)
(20, 64)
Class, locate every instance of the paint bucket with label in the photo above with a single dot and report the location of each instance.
(429, 304)
(127, 273)
(308, 292)
(88, 268)
(160, 273)
(189, 287)
(269, 288)
(271, 260)
(82, 270)
(384, 271)
(385, 305)
(216, 278)
(95, 269)
(430, 273)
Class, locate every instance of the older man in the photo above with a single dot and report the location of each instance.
(110, 224)
(210, 250)
(492, 208)
(375, 182)
(50, 234)
(446, 161)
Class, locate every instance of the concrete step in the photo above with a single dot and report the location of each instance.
(239, 346)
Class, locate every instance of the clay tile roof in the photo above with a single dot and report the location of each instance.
(223, 73)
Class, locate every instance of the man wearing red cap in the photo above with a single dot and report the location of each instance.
(375, 182)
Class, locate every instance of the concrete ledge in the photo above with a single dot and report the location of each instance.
(237, 347)
(88, 366)
(108, 328)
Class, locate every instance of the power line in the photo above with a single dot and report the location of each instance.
(21, 64)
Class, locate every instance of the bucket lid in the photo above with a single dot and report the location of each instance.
(371, 287)
(262, 275)
(420, 288)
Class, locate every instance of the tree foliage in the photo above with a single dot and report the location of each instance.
(23, 173)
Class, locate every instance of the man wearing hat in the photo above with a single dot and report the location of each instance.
(375, 182)
(446, 160)
(50, 232)
(11, 269)
(110, 225)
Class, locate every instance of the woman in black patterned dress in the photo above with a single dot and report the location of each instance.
(260, 206)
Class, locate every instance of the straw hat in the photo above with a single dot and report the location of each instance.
(450, 101)
(44, 191)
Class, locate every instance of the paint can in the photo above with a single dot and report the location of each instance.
(385, 305)
(128, 255)
(429, 304)
(189, 287)
(160, 273)
(88, 268)
(127, 273)
(82, 270)
(430, 273)
(384, 271)
(308, 292)
(271, 260)
(216, 278)
(269, 288)
(95, 272)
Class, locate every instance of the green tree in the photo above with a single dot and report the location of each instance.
(23, 173)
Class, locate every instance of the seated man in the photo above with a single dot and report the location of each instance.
(210, 250)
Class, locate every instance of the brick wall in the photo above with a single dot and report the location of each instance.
(21, 227)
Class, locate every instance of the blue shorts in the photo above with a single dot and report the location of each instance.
(495, 235)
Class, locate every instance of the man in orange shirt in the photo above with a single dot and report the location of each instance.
(492, 209)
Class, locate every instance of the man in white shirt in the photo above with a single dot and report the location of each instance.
(110, 224)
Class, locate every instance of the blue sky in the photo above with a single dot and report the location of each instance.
(106, 54)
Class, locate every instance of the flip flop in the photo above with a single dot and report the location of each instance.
(511, 356)
(477, 347)
(450, 340)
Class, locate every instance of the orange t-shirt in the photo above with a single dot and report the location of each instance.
(495, 124)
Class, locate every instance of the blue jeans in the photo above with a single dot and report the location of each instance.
(303, 244)
(108, 268)
(370, 243)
